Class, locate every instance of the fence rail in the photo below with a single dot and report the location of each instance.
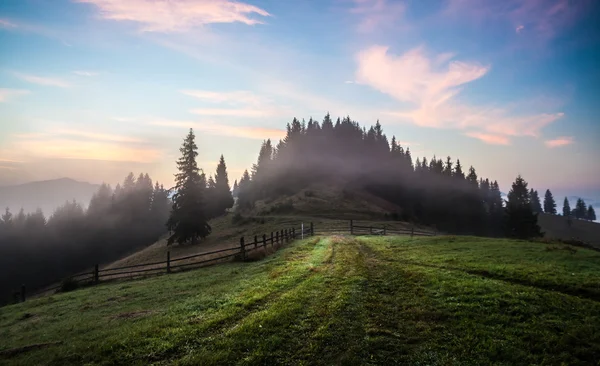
(242, 251)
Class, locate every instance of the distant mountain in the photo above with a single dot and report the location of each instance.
(47, 195)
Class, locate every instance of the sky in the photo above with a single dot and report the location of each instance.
(93, 89)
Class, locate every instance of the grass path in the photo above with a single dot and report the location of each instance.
(329, 301)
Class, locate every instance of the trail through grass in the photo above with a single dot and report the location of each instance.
(328, 301)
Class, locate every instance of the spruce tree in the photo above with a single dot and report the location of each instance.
(549, 203)
(580, 209)
(536, 205)
(520, 220)
(222, 189)
(188, 218)
(566, 208)
(591, 213)
(458, 172)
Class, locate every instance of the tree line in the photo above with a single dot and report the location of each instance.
(444, 193)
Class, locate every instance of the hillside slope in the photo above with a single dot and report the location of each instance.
(557, 227)
(332, 300)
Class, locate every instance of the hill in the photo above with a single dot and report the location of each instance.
(47, 195)
(558, 227)
(332, 300)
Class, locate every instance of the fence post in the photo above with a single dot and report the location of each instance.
(23, 293)
(412, 231)
(287, 236)
(265, 240)
(282, 237)
(243, 248)
(312, 229)
(272, 239)
(351, 228)
(168, 261)
(383, 230)
(255, 242)
(96, 275)
(277, 236)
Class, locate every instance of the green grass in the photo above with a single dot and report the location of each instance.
(336, 300)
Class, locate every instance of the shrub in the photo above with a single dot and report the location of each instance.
(68, 285)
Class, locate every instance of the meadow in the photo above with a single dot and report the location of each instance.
(332, 300)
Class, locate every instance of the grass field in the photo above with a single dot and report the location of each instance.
(332, 300)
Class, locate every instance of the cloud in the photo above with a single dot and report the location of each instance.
(235, 97)
(544, 19)
(85, 73)
(242, 112)
(177, 16)
(377, 13)
(58, 143)
(561, 141)
(40, 80)
(489, 139)
(249, 132)
(5, 23)
(6, 94)
(349, 82)
(430, 87)
(238, 104)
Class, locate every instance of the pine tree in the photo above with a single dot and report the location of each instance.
(520, 222)
(591, 213)
(566, 208)
(549, 203)
(222, 190)
(188, 218)
(580, 209)
(448, 167)
(234, 191)
(536, 205)
(458, 172)
(472, 178)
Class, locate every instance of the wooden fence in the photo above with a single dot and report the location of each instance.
(243, 250)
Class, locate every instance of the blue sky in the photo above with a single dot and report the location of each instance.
(92, 89)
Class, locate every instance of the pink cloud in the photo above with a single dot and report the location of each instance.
(489, 139)
(377, 13)
(561, 141)
(430, 84)
(177, 16)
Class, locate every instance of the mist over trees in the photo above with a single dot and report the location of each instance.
(39, 251)
(434, 191)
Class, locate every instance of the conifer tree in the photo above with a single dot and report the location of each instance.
(188, 218)
(536, 205)
(591, 213)
(472, 178)
(7, 217)
(458, 172)
(566, 208)
(549, 203)
(580, 209)
(520, 222)
(222, 190)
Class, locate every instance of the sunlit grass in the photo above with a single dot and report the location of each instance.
(333, 300)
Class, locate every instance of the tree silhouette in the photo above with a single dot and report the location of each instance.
(536, 205)
(591, 213)
(549, 203)
(521, 221)
(188, 219)
(223, 194)
(580, 210)
(566, 208)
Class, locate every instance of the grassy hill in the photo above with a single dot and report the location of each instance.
(332, 300)
(557, 227)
